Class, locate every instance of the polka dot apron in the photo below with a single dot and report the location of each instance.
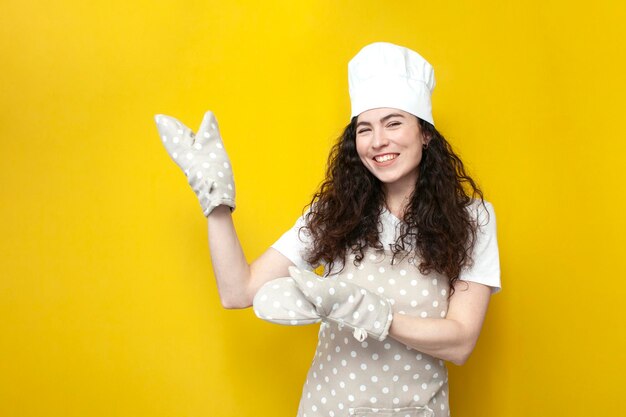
(388, 378)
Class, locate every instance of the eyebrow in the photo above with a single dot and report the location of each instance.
(382, 120)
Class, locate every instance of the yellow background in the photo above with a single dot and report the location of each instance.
(108, 305)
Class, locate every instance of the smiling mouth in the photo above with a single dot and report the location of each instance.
(386, 157)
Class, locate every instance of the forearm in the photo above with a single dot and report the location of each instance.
(231, 269)
(454, 337)
(442, 338)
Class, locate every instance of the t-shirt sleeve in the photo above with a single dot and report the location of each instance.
(294, 243)
(486, 267)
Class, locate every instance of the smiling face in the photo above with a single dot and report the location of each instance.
(389, 143)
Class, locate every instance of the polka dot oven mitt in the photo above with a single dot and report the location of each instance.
(202, 158)
(346, 304)
(280, 301)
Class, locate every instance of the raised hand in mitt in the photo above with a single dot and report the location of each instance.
(346, 304)
(202, 158)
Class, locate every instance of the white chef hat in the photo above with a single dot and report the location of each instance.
(386, 75)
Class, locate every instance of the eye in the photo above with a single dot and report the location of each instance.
(394, 123)
(363, 130)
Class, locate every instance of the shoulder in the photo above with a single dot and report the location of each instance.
(485, 255)
(295, 243)
(483, 214)
(480, 208)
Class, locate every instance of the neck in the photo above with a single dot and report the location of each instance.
(397, 197)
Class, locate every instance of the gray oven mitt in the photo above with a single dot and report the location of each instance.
(280, 301)
(346, 303)
(202, 158)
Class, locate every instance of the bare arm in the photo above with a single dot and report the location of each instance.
(454, 337)
(238, 281)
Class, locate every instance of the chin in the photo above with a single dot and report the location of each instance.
(387, 179)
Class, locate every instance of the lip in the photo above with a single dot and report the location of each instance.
(386, 163)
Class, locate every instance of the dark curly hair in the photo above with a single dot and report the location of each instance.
(438, 229)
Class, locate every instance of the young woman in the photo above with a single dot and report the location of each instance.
(407, 243)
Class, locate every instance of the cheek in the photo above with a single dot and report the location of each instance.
(417, 157)
(361, 148)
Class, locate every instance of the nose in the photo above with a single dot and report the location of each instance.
(379, 139)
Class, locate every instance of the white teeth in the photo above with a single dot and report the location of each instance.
(385, 158)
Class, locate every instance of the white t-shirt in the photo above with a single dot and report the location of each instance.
(486, 267)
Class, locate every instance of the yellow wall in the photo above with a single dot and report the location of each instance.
(108, 305)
